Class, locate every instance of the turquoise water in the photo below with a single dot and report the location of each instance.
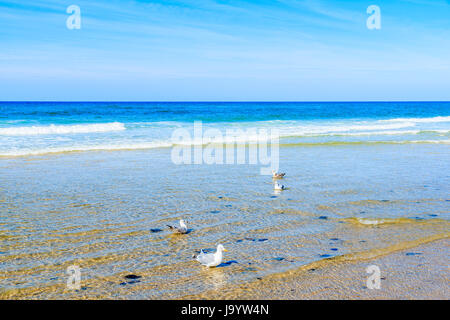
(39, 128)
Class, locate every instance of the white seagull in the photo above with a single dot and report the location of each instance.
(211, 259)
(279, 187)
(181, 229)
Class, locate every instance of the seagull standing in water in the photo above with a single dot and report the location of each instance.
(277, 175)
(211, 259)
(279, 187)
(181, 229)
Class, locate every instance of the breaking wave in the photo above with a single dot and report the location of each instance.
(62, 129)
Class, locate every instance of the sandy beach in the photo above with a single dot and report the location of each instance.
(419, 272)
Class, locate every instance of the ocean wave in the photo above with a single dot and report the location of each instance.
(285, 128)
(62, 129)
(168, 144)
(365, 133)
(305, 128)
(362, 143)
(298, 129)
(419, 120)
(27, 140)
(108, 147)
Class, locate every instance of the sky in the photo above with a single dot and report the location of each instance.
(202, 50)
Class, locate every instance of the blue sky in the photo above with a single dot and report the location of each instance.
(225, 50)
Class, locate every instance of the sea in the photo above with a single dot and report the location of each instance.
(94, 185)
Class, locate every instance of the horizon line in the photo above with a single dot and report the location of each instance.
(221, 101)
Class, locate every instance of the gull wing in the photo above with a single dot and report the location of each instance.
(206, 258)
(182, 230)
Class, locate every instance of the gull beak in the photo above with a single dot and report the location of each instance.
(225, 250)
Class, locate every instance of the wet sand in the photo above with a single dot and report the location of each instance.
(99, 211)
(418, 272)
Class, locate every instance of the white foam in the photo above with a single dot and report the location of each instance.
(106, 147)
(376, 133)
(366, 221)
(343, 129)
(62, 129)
(150, 145)
(148, 135)
(419, 120)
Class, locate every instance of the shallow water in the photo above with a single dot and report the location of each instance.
(94, 185)
(96, 210)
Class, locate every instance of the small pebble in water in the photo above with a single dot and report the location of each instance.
(323, 217)
(278, 258)
(131, 279)
(334, 249)
(215, 211)
(413, 253)
(260, 240)
(155, 230)
(325, 255)
(132, 276)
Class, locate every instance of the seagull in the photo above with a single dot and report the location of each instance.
(277, 175)
(211, 259)
(181, 229)
(278, 186)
